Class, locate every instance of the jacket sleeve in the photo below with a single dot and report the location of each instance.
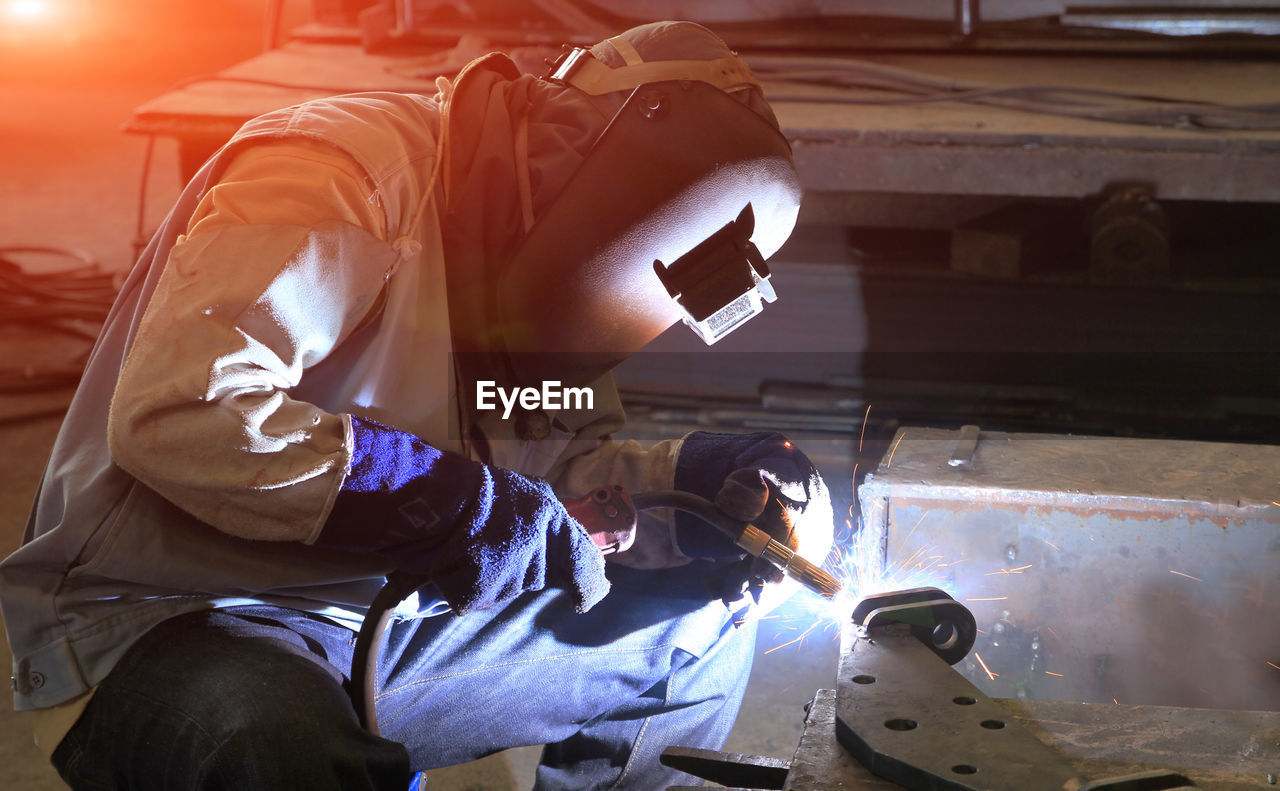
(283, 261)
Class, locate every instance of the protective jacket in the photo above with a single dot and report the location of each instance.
(236, 352)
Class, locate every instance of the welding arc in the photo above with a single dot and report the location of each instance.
(749, 537)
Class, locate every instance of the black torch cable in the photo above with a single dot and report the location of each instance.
(700, 507)
(364, 658)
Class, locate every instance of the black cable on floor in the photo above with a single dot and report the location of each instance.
(71, 300)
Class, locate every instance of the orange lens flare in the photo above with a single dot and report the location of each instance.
(28, 10)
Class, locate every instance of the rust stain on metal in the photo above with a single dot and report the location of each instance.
(1153, 511)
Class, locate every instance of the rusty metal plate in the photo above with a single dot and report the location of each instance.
(1221, 750)
(1106, 570)
(910, 719)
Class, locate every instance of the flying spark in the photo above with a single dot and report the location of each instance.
(894, 450)
(858, 561)
(1273, 664)
(1183, 574)
(1017, 570)
(990, 675)
(1059, 675)
(797, 641)
(987, 598)
(1113, 700)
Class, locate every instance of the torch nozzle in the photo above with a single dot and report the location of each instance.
(759, 544)
(813, 577)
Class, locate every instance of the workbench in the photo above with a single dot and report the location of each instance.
(939, 148)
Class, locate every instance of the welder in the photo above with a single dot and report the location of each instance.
(281, 412)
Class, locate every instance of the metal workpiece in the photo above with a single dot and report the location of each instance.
(1222, 750)
(924, 729)
(820, 762)
(907, 717)
(1104, 570)
(902, 718)
(930, 615)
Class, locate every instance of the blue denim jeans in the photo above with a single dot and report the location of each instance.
(254, 697)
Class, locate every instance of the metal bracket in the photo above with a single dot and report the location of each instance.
(940, 622)
(915, 722)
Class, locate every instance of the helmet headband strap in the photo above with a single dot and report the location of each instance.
(579, 68)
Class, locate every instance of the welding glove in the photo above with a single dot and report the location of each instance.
(482, 534)
(758, 478)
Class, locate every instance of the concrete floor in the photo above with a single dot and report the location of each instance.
(69, 177)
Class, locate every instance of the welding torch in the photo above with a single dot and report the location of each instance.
(755, 541)
(609, 515)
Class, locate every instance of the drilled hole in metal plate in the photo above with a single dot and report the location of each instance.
(864, 679)
(993, 725)
(945, 636)
(963, 700)
(900, 724)
(965, 769)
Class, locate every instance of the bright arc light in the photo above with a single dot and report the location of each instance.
(28, 9)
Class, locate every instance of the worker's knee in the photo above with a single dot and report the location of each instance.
(312, 746)
(264, 741)
(201, 702)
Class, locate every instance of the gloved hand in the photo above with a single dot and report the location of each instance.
(758, 478)
(483, 534)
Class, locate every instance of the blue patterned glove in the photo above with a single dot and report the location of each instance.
(483, 534)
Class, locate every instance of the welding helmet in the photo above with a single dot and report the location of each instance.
(670, 216)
